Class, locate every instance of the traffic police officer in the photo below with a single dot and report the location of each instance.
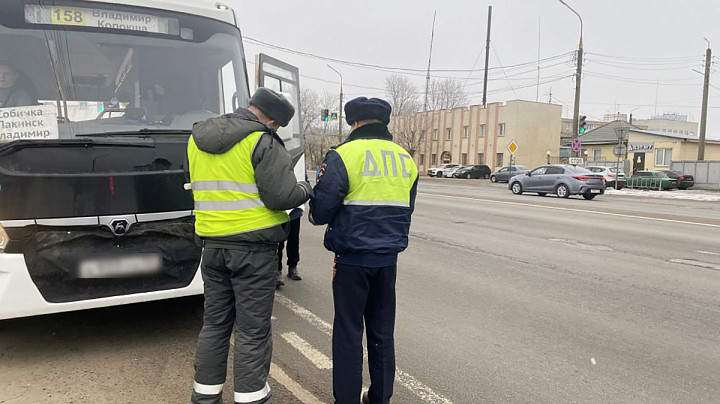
(365, 194)
(242, 180)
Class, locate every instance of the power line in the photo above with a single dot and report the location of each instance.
(391, 68)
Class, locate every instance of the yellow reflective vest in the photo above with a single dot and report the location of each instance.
(380, 173)
(226, 196)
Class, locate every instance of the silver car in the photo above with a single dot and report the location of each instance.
(504, 174)
(562, 180)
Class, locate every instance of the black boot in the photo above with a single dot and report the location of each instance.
(293, 274)
(279, 284)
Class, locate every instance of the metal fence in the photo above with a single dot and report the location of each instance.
(706, 173)
(646, 183)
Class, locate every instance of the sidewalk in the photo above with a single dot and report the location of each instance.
(690, 195)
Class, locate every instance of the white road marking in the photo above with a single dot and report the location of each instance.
(281, 377)
(572, 210)
(297, 390)
(708, 253)
(402, 378)
(316, 357)
(593, 361)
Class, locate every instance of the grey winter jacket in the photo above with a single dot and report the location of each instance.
(277, 185)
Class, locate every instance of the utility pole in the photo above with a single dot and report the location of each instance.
(487, 57)
(703, 117)
(427, 78)
(578, 77)
(340, 117)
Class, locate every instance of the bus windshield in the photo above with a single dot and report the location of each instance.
(94, 68)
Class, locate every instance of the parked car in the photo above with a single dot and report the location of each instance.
(504, 174)
(440, 170)
(448, 172)
(472, 172)
(685, 181)
(652, 180)
(611, 175)
(562, 180)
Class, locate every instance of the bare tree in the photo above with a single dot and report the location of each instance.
(319, 136)
(410, 131)
(446, 94)
(309, 109)
(316, 146)
(402, 95)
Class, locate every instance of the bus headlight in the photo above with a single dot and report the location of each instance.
(4, 239)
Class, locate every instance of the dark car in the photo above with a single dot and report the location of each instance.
(685, 181)
(473, 172)
(561, 180)
(504, 174)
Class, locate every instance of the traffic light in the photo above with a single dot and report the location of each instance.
(582, 124)
(325, 115)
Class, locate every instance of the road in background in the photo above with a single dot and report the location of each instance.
(501, 298)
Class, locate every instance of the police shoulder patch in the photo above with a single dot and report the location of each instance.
(320, 172)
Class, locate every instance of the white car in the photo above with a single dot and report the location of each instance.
(440, 171)
(611, 175)
(448, 173)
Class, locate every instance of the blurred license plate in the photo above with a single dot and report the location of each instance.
(594, 191)
(120, 267)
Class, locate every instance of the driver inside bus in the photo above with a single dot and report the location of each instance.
(14, 88)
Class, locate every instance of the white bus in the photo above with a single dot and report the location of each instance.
(97, 99)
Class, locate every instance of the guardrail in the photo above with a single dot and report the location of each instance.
(646, 183)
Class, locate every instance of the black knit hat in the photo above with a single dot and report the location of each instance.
(363, 108)
(274, 105)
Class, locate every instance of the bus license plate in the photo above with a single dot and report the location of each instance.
(120, 267)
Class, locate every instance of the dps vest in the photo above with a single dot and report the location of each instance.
(226, 196)
(380, 173)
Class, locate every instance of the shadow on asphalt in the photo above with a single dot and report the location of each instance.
(119, 327)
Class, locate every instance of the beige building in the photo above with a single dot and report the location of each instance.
(477, 135)
(647, 150)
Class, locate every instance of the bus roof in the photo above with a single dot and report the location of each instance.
(204, 8)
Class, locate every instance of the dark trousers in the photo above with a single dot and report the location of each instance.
(363, 293)
(239, 292)
(293, 246)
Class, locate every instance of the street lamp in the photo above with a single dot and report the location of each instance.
(578, 73)
(548, 156)
(340, 118)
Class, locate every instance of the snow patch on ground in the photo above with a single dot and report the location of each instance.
(690, 195)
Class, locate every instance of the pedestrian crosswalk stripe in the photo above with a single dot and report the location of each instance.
(402, 378)
(316, 357)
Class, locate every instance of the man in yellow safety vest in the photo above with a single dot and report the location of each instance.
(242, 181)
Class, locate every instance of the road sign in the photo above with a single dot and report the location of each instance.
(576, 145)
(576, 161)
(620, 150)
(334, 115)
(512, 146)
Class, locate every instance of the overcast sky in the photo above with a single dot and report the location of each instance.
(640, 54)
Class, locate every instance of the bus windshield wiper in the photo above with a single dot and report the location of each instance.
(140, 132)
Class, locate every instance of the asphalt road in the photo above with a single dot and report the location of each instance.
(501, 299)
